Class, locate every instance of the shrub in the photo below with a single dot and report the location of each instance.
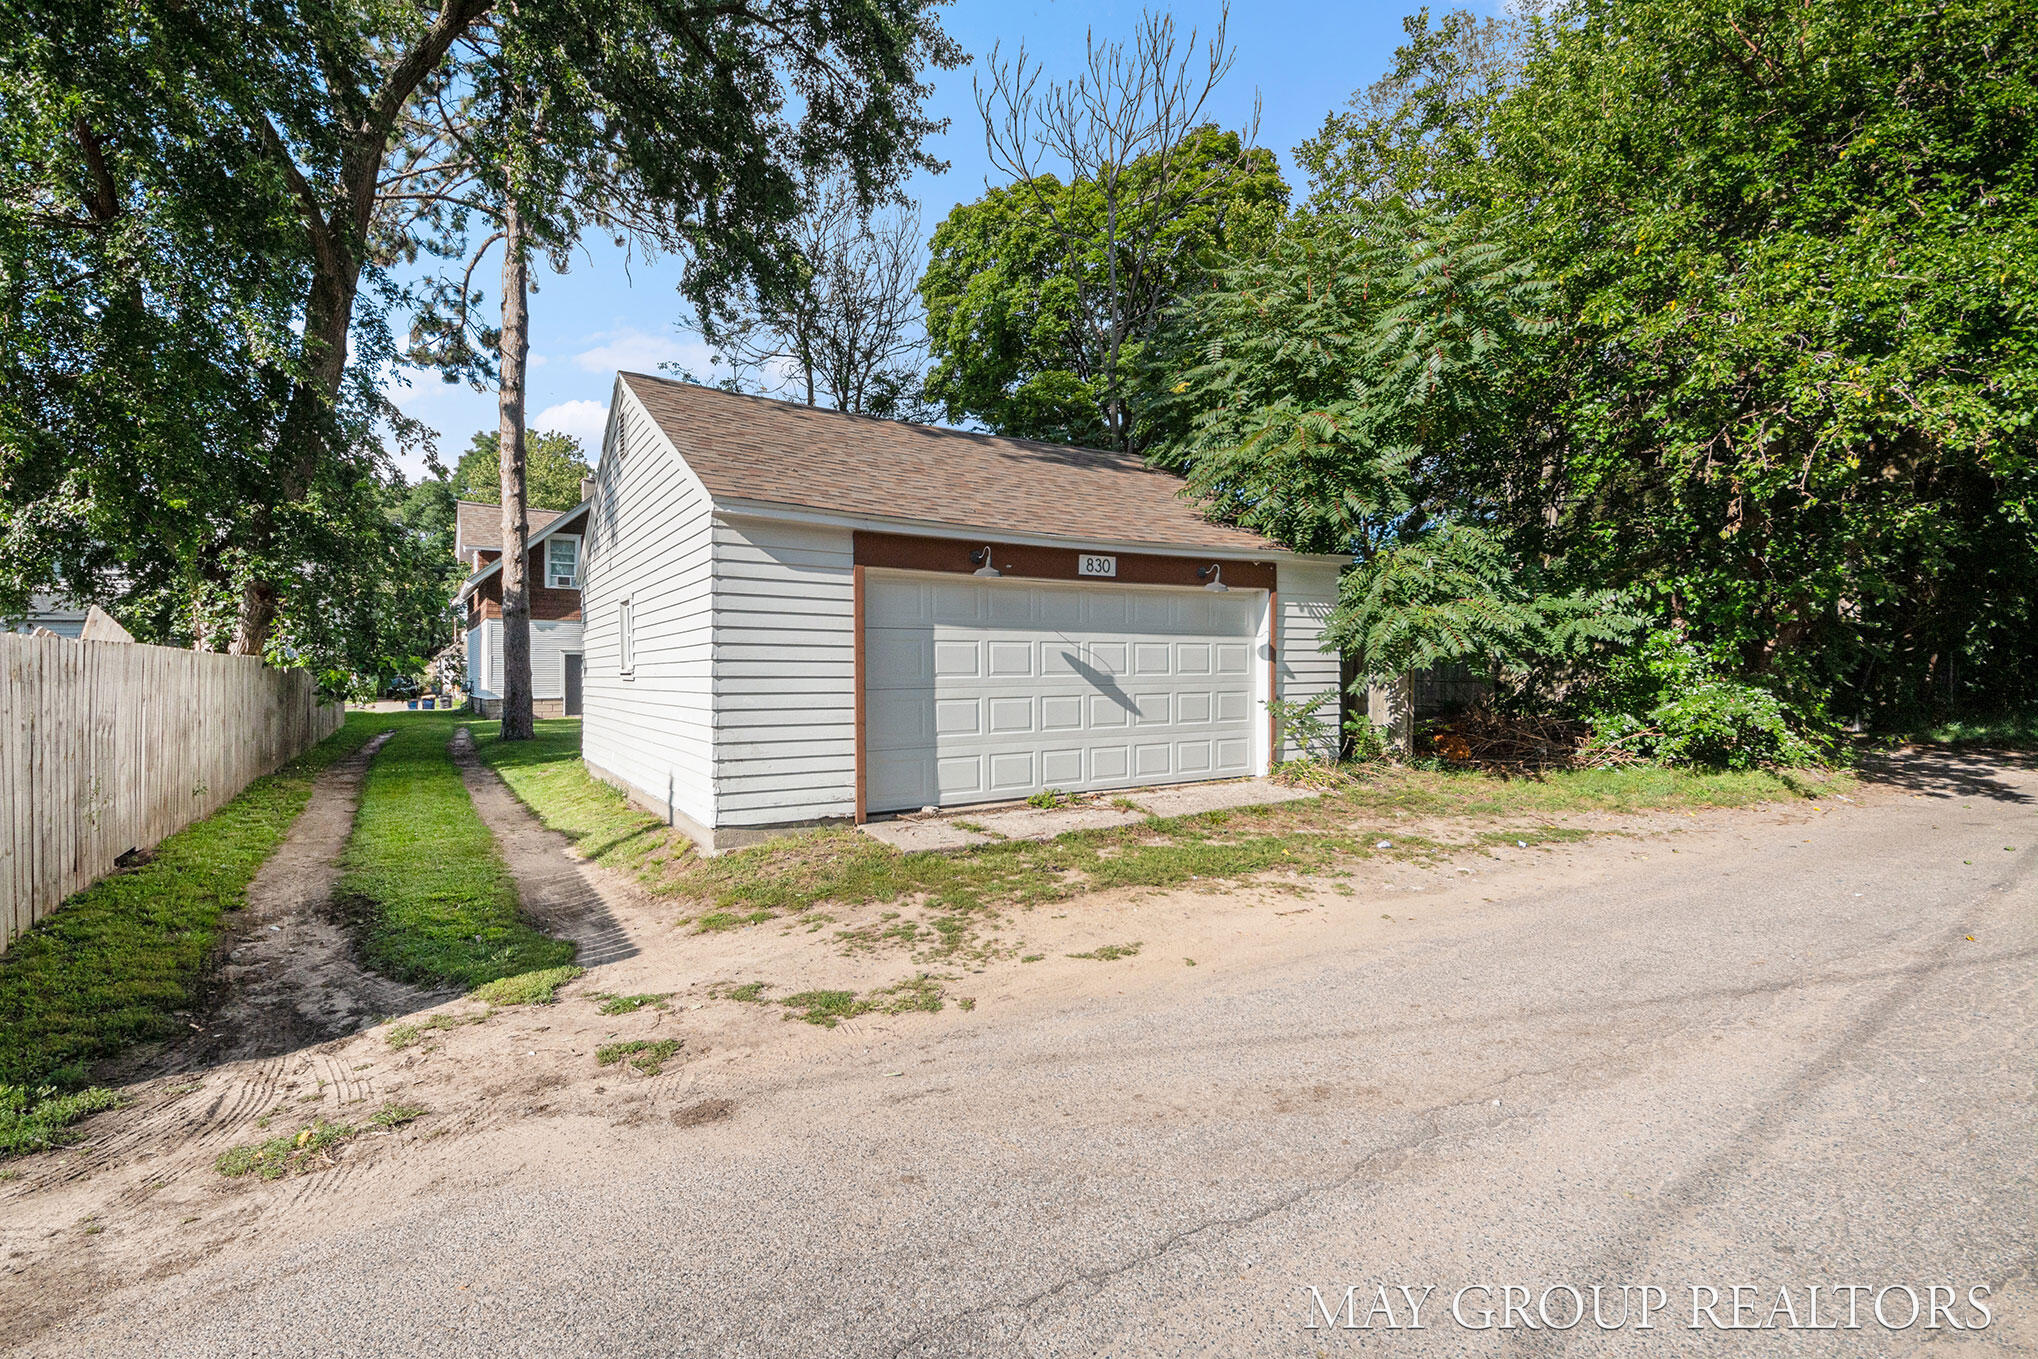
(1671, 701)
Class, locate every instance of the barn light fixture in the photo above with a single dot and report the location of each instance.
(1215, 572)
(984, 557)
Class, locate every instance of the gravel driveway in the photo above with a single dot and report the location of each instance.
(1787, 1049)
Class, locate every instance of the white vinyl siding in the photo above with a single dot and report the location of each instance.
(784, 682)
(1307, 591)
(648, 540)
(551, 639)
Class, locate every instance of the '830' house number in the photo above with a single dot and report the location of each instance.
(1089, 564)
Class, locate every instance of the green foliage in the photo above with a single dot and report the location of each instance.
(1356, 378)
(432, 900)
(38, 1118)
(554, 464)
(1669, 700)
(1458, 596)
(1302, 724)
(526, 988)
(1011, 325)
(114, 964)
(1793, 243)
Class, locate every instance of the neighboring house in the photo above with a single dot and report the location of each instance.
(553, 574)
(796, 615)
(48, 611)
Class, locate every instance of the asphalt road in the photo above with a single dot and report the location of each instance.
(1799, 1051)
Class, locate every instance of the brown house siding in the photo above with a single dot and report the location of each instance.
(546, 604)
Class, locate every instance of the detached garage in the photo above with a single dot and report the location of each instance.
(793, 616)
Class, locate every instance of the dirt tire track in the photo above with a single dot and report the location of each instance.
(562, 893)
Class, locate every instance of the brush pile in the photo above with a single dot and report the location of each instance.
(1485, 739)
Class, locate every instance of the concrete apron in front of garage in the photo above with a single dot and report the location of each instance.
(964, 826)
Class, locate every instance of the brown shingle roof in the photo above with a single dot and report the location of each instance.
(480, 524)
(760, 449)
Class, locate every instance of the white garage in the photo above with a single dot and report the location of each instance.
(794, 616)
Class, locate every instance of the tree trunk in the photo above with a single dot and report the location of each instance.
(514, 354)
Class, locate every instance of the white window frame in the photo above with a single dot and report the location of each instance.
(571, 582)
(626, 638)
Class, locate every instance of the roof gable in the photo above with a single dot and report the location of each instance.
(751, 448)
(477, 525)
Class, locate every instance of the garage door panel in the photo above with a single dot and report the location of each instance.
(897, 660)
(990, 690)
(1062, 768)
(1111, 658)
(1012, 772)
(952, 717)
(1110, 764)
(910, 713)
(1008, 659)
(959, 777)
(957, 659)
(1061, 712)
(1010, 715)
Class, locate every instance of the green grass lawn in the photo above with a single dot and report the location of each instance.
(432, 902)
(114, 965)
(840, 865)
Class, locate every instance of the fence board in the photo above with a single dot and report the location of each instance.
(111, 746)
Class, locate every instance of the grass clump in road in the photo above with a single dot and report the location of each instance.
(40, 1118)
(431, 900)
(1111, 953)
(310, 1148)
(402, 1036)
(612, 1004)
(827, 1008)
(527, 988)
(648, 1055)
(115, 964)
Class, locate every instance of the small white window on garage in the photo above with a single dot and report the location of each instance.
(562, 562)
(626, 638)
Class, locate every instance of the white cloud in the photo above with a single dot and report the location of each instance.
(637, 351)
(584, 420)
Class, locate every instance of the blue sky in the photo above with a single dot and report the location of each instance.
(1302, 59)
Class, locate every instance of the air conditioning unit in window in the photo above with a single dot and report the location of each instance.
(561, 582)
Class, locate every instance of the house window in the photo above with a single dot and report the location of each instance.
(626, 640)
(562, 562)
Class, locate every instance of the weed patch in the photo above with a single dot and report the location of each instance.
(646, 1054)
(311, 1148)
(401, 1036)
(1110, 953)
(527, 988)
(37, 1119)
(611, 1004)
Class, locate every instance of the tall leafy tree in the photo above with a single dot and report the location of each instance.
(1794, 245)
(1039, 314)
(554, 468)
(1118, 172)
(159, 136)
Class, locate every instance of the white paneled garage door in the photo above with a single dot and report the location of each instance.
(987, 690)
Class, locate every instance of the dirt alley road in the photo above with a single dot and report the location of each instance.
(1798, 1050)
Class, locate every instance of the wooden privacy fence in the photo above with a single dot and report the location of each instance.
(111, 746)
